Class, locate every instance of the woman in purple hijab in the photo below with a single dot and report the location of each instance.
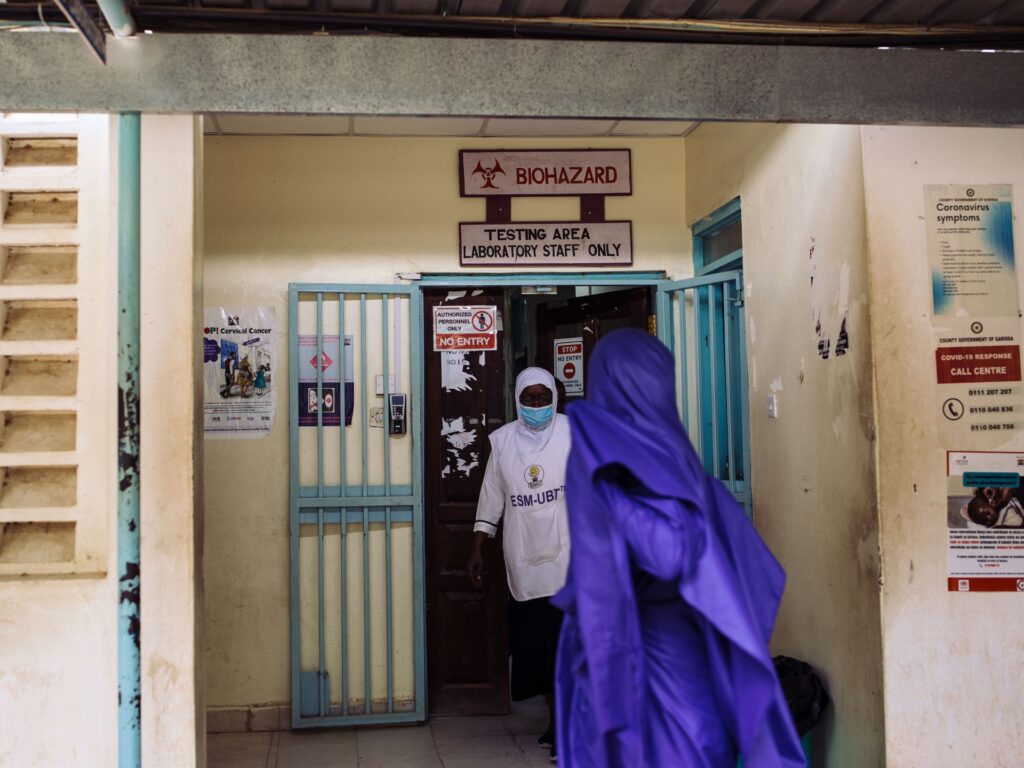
(671, 595)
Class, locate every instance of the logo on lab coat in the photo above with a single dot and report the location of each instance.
(535, 476)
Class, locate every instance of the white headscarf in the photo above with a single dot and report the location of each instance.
(528, 440)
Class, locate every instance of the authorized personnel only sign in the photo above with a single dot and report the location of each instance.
(528, 244)
(465, 329)
(569, 364)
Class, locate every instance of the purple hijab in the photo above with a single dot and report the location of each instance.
(671, 595)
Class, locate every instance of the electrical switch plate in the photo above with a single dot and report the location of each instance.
(380, 383)
(377, 417)
(773, 406)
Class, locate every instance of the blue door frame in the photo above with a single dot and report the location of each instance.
(356, 505)
(702, 321)
(354, 502)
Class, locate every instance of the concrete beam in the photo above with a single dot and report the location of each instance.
(526, 78)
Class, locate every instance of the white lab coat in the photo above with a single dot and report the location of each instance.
(527, 488)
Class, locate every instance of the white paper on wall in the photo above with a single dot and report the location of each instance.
(239, 368)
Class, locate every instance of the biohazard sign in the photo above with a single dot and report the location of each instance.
(465, 329)
(569, 364)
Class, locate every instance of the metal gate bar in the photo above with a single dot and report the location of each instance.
(367, 648)
(710, 324)
(324, 695)
(363, 505)
(730, 456)
(711, 307)
(343, 524)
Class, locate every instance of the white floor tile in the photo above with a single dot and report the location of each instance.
(536, 756)
(463, 727)
(398, 744)
(317, 749)
(505, 761)
(530, 716)
(238, 750)
(426, 761)
(482, 747)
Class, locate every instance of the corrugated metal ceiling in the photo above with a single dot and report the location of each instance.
(934, 23)
(912, 12)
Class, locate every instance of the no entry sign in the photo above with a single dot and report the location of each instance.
(569, 364)
(465, 329)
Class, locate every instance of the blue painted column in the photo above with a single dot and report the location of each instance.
(129, 667)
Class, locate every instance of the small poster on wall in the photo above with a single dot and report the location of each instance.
(569, 365)
(465, 328)
(238, 371)
(985, 521)
(975, 311)
(330, 380)
(970, 247)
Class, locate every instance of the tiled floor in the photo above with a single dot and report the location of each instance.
(443, 742)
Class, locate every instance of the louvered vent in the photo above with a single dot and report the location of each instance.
(54, 345)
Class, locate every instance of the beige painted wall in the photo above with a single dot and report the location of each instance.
(58, 636)
(282, 210)
(812, 468)
(952, 690)
(58, 633)
(174, 722)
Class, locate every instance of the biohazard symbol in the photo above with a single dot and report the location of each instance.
(488, 173)
(534, 476)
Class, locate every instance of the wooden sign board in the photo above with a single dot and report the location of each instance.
(544, 172)
(546, 243)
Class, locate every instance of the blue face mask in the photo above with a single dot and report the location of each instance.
(537, 418)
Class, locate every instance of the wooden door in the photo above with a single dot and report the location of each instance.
(590, 317)
(467, 627)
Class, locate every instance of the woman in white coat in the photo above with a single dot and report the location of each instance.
(524, 486)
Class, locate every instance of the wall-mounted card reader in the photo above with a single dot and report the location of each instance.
(398, 414)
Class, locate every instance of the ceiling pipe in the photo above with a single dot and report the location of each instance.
(118, 17)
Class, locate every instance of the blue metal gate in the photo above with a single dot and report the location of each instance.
(356, 515)
(702, 322)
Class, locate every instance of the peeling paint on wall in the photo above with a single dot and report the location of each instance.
(454, 376)
(456, 434)
(459, 456)
(829, 304)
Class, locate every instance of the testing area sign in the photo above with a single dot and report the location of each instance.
(465, 329)
(530, 244)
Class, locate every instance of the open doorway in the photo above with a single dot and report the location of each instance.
(467, 396)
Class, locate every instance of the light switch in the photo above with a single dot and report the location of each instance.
(773, 406)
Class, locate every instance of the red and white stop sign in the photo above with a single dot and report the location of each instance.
(569, 371)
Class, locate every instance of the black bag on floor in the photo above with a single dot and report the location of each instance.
(806, 695)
